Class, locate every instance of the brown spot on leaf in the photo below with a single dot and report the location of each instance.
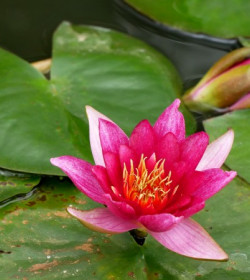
(229, 268)
(7, 222)
(62, 214)
(80, 201)
(131, 274)
(25, 222)
(28, 185)
(87, 247)
(47, 252)
(15, 246)
(31, 203)
(12, 210)
(5, 252)
(42, 198)
(106, 240)
(16, 212)
(11, 183)
(42, 266)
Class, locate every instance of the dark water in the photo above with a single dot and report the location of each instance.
(26, 26)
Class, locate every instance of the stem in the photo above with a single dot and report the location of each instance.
(139, 236)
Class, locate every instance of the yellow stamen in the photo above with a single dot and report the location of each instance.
(148, 188)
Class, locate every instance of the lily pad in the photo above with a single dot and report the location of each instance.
(118, 75)
(39, 240)
(207, 16)
(239, 157)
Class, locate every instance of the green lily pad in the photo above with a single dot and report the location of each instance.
(118, 75)
(14, 184)
(207, 16)
(40, 240)
(239, 157)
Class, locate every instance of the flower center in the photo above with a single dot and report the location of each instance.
(149, 189)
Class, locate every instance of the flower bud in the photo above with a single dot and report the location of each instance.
(225, 87)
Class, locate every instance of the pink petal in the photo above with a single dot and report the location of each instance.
(142, 139)
(113, 166)
(217, 152)
(159, 222)
(168, 148)
(80, 172)
(242, 103)
(102, 220)
(120, 208)
(127, 154)
(178, 170)
(194, 207)
(151, 162)
(171, 120)
(178, 203)
(209, 182)
(111, 136)
(188, 238)
(193, 148)
(93, 117)
(102, 177)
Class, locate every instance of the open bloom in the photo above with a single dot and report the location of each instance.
(225, 87)
(153, 181)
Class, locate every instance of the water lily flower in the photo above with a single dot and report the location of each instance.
(153, 181)
(225, 87)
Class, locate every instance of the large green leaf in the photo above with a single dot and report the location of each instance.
(118, 75)
(239, 157)
(207, 16)
(39, 240)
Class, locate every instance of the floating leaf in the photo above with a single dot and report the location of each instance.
(207, 16)
(40, 240)
(118, 75)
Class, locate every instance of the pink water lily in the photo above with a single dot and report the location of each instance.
(154, 180)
